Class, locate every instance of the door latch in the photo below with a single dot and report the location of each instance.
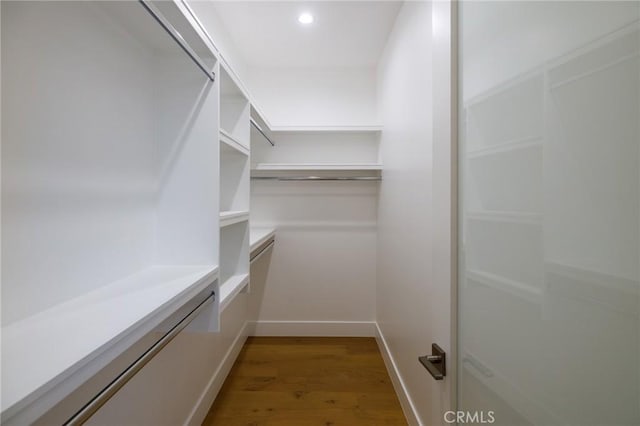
(436, 362)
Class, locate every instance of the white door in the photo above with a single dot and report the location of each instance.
(549, 241)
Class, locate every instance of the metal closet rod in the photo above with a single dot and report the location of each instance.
(107, 393)
(258, 128)
(318, 178)
(177, 37)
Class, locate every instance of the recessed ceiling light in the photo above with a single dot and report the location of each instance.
(305, 18)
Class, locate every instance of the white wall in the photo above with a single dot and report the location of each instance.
(291, 97)
(321, 276)
(42, 251)
(316, 147)
(409, 298)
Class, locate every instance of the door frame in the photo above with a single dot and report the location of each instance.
(445, 188)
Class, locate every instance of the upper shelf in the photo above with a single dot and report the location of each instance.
(335, 129)
(318, 166)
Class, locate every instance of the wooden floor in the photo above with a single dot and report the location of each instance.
(307, 381)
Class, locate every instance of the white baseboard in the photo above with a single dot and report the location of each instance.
(314, 328)
(201, 408)
(408, 407)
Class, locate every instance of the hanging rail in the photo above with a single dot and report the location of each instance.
(178, 38)
(258, 128)
(112, 388)
(317, 178)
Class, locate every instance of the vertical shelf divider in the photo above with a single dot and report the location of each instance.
(234, 147)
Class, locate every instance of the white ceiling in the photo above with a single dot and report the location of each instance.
(345, 34)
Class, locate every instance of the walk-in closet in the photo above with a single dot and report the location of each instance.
(320, 212)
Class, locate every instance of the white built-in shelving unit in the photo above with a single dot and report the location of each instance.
(317, 152)
(235, 111)
(109, 188)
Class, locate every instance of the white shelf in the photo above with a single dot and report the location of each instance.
(230, 217)
(42, 350)
(257, 236)
(234, 144)
(337, 129)
(231, 288)
(318, 166)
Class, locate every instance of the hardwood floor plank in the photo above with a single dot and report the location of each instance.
(307, 381)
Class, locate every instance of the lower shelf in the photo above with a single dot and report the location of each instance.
(232, 287)
(49, 347)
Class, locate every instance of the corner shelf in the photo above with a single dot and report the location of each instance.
(231, 288)
(230, 217)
